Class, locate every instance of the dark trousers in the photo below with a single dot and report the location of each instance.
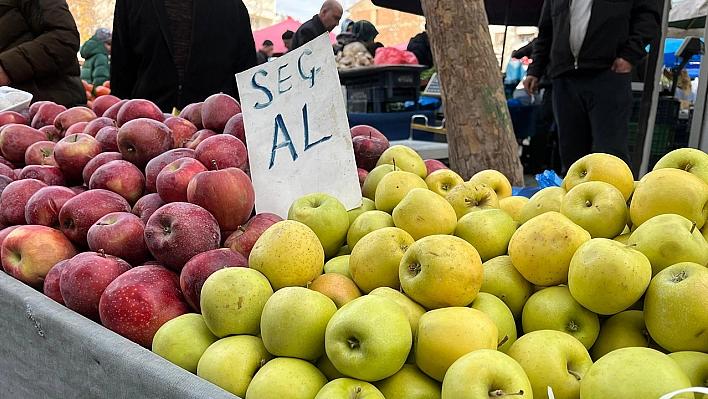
(543, 150)
(592, 110)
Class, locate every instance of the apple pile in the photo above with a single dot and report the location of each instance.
(435, 287)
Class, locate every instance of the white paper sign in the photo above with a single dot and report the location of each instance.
(297, 131)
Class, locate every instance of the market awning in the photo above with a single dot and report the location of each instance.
(688, 14)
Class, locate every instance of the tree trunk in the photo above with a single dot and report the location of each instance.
(479, 130)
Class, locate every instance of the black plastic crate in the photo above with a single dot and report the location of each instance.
(385, 79)
(666, 112)
(662, 141)
(380, 99)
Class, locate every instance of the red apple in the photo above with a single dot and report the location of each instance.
(182, 130)
(3, 233)
(193, 113)
(43, 206)
(13, 200)
(366, 130)
(77, 127)
(72, 153)
(138, 108)
(227, 193)
(138, 302)
(235, 128)
(29, 252)
(40, 153)
(46, 114)
(97, 124)
(71, 116)
(141, 140)
(35, 107)
(198, 137)
(98, 161)
(5, 162)
(245, 237)
(174, 178)
(222, 151)
(368, 150)
(80, 213)
(155, 166)
(78, 189)
(178, 231)
(49, 175)
(84, 279)
(7, 171)
(4, 181)
(108, 138)
(51, 282)
(120, 234)
(15, 139)
(51, 132)
(201, 266)
(217, 110)
(121, 177)
(8, 117)
(102, 103)
(362, 175)
(147, 205)
(112, 111)
(433, 164)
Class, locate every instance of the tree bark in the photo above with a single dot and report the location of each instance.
(479, 130)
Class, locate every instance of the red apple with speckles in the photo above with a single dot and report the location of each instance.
(433, 164)
(362, 175)
(366, 130)
(235, 128)
(222, 151)
(51, 132)
(198, 137)
(368, 150)
(141, 140)
(81, 212)
(7, 171)
(178, 231)
(227, 193)
(138, 302)
(245, 237)
(201, 266)
(46, 114)
(108, 138)
(112, 111)
(217, 110)
(120, 234)
(174, 178)
(4, 181)
(3, 233)
(65, 119)
(13, 200)
(5, 162)
(8, 117)
(49, 175)
(97, 124)
(51, 286)
(78, 189)
(182, 130)
(155, 166)
(34, 107)
(40, 153)
(98, 161)
(121, 177)
(44, 206)
(15, 139)
(147, 205)
(84, 279)
(73, 152)
(103, 103)
(77, 127)
(193, 113)
(137, 109)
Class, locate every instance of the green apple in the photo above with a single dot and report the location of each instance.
(488, 230)
(689, 159)
(634, 373)
(502, 280)
(497, 310)
(231, 362)
(552, 359)
(293, 322)
(670, 191)
(598, 207)
(375, 260)
(513, 206)
(486, 373)
(233, 299)
(367, 205)
(445, 335)
(344, 250)
(369, 338)
(409, 383)
(326, 216)
(442, 181)
(183, 340)
(669, 239)
(494, 179)
(412, 310)
(695, 365)
(548, 199)
(423, 213)
(541, 249)
(340, 289)
(675, 307)
(470, 196)
(440, 270)
(606, 276)
(393, 187)
(368, 189)
(554, 308)
(623, 238)
(349, 388)
(623, 330)
(327, 368)
(285, 377)
(338, 265)
(601, 167)
(405, 158)
(289, 254)
(366, 223)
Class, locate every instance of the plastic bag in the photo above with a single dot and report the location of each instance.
(514, 72)
(392, 55)
(549, 178)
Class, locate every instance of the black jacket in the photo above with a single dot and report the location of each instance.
(308, 31)
(420, 46)
(142, 64)
(38, 46)
(617, 28)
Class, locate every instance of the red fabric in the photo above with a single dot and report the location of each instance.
(275, 32)
(392, 55)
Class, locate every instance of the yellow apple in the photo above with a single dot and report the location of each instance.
(326, 216)
(285, 377)
(367, 205)
(494, 179)
(393, 187)
(689, 159)
(501, 315)
(405, 158)
(623, 330)
(502, 280)
(548, 199)
(375, 260)
(423, 213)
(409, 383)
(340, 289)
(338, 265)
(695, 365)
(366, 223)
(513, 206)
(488, 230)
(470, 196)
(601, 167)
(598, 207)
(412, 310)
(486, 373)
(442, 181)
(368, 189)
(183, 340)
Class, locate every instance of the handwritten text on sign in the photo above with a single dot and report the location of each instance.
(296, 129)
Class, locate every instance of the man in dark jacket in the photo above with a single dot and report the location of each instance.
(178, 52)
(328, 18)
(420, 46)
(591, 47)
(38, 45)
(95, 52)
(265, 52)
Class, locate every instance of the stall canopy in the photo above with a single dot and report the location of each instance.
(688, 14)
(275, 32)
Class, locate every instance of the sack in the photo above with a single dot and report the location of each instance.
(392, 55)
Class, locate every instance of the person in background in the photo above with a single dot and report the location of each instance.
(420, 46)
(38, 46)
(366, 32)
(288, 39)
(161, 54)
(265, 52)
(347, 25)
(95, 53)
(327, 19)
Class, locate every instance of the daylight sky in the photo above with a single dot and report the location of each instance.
(301, 10)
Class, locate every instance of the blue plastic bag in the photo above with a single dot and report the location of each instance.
(548, 178)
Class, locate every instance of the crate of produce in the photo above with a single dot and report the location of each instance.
(384, 88)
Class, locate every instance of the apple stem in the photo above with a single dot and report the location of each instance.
(102, 253)
(213, 162)
(574, 374)
(101, 224)
(693, 227)
(499, 393)
(394, 163)
(677, 278)
(404, 248)
(631, 245)
(241, 228)
(588, 203)
(166, 230)
(44, 156)
(503, 341)
(356, 393)
(261, 363)
(309, 283)
(353, 343)
(688, 166)
(572, 327)
(415, 268)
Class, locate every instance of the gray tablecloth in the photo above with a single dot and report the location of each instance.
(47, 351)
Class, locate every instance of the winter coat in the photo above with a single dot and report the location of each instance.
(308, 31)
(95, 69)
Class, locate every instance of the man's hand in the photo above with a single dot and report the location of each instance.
(621, 66)
(530, 85)
(4, 79)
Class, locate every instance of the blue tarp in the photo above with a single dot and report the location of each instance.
(671, 45)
